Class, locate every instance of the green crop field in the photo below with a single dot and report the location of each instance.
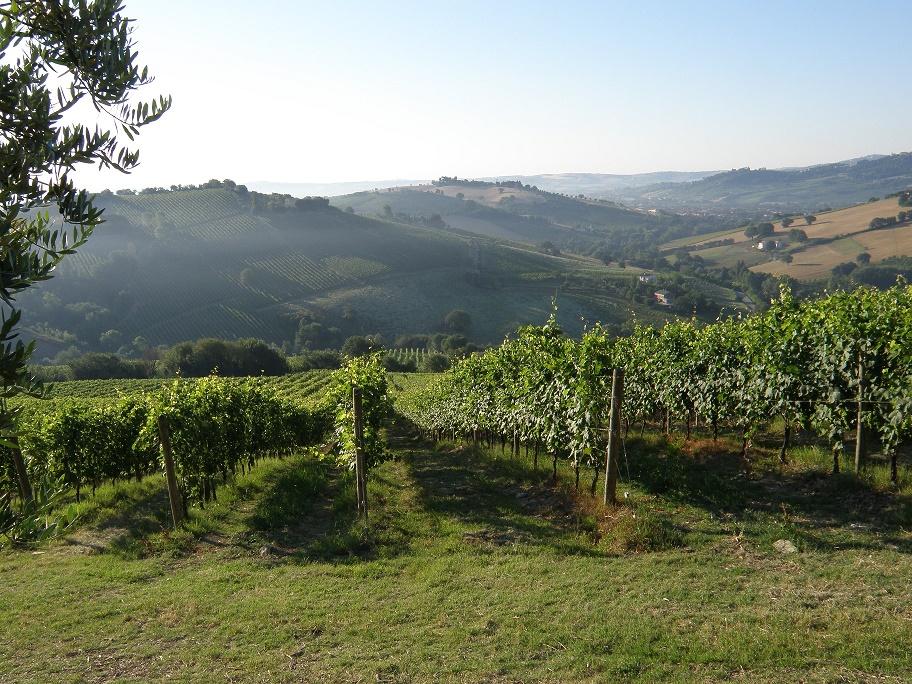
(293, 385)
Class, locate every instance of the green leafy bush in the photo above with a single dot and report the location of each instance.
(368, 374)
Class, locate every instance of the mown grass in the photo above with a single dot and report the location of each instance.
(473, 567)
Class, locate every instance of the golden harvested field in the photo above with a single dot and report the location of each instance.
(849, 220)
(818, 261)
(829, 224)
(845, 232)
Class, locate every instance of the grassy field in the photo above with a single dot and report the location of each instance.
(693, 240)
(475, 568)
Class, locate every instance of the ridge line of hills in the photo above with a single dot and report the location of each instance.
(220, 260)
(745, 190)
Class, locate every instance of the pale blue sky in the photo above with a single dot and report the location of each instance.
(297, 91)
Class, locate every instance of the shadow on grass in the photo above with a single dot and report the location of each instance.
(506, 499)
(119, 518)
(294, 509)
(817, 509)
(309, 513)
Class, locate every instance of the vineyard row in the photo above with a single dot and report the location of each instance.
(838, 365)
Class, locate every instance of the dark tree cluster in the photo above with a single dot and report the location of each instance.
(844, 268)
(759, 230)
(258, 202)
(890, 221)
(206, 356)
(453, 180)
(102, 366)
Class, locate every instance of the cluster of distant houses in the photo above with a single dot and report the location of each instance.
(770, 244)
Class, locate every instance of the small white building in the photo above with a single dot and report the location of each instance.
(647, 277)
(663, 297)
(770, 244)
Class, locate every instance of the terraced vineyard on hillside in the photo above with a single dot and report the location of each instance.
(173, 266)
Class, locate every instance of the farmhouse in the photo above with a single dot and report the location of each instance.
(663, 297)
(647, 277)
(767, 245)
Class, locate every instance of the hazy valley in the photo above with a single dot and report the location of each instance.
(220, 260)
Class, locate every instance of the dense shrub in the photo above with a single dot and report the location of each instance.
(359, 345)
(394, 365)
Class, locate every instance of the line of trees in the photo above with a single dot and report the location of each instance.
(186, 359)
(252, 357)
(890, 221)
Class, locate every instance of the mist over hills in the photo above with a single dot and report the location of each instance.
(747, 190)
(513, 211)
(221, 261)
(797, 190)
(597, 185)
(603, 185)
(328, 189)
(224, 261)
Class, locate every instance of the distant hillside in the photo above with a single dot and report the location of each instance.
(329, 189)
(221, 261)
(599, 185)
(834, 238)
(511, 210)
(809, 189)
(603, 185)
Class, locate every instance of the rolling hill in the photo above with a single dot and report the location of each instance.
(603, 185)
(169, 266)
(600, 185)
(834, 238)
(510, 210)
(738, 191)
(797, 190)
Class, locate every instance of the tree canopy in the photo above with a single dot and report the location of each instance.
(55, 55)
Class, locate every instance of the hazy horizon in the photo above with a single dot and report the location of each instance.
(354, 92)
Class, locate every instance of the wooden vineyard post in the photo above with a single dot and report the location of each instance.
(360, 466)
(25, 487)
(859, 425)
(614, 437)
(174, 496)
